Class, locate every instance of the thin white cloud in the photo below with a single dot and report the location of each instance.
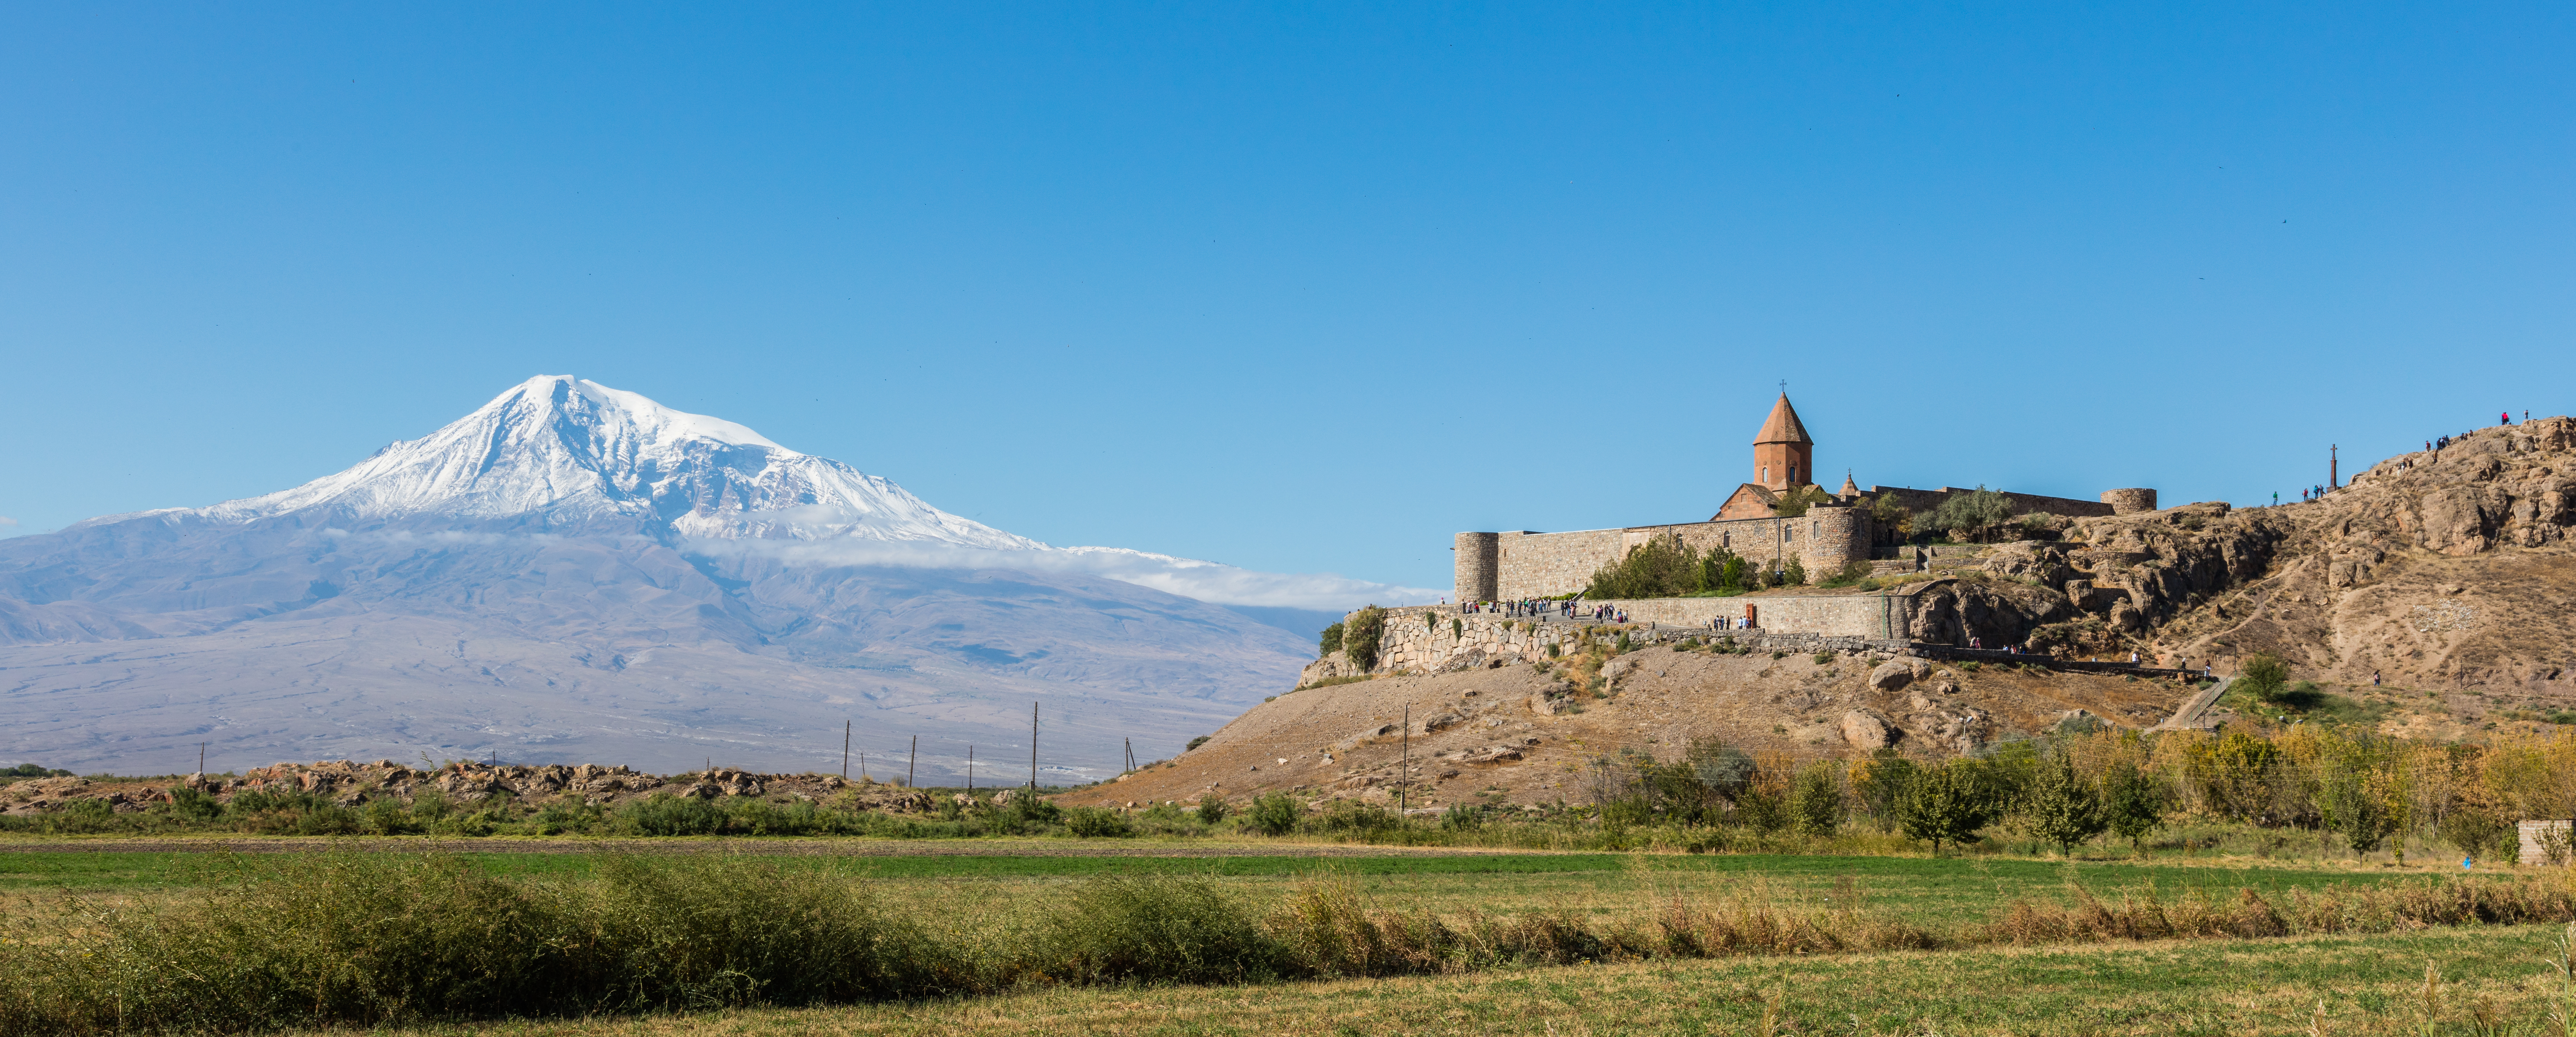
(1211, 582)
(8, 523)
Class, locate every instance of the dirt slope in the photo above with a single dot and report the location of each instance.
(1495, 736)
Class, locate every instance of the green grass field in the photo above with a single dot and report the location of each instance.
(2366, 986)
(1922, 890)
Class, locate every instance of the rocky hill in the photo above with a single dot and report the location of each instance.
(2448, 574)
(1523, 734)
(2444, 571)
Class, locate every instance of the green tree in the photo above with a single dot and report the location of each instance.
(1662, 567)
(1881, 781)
(1211, 808)
(1967, 516)
(1890, 514)
(1944, 804)
(1330, 642)
(2264, 675)
(1361, 634)
(1793, 574)
(2132, 803)
(1732, 576)
(1817, 801)
(1798, 499)
(2064, 808)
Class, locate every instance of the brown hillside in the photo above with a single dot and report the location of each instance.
(1493, 736)
(2449, 573)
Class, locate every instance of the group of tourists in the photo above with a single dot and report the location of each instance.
(1524, 608)
(1730, 623)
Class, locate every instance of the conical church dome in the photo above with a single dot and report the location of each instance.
(1783, 425)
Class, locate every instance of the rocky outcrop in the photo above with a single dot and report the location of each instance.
(1895, 674)
(1867, 731)
(352, 784)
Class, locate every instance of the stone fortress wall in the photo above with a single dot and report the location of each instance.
(1536, 565)
(1436, 639)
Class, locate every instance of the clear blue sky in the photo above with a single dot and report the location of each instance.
(1299, 288)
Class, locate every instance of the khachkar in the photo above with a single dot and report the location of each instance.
(1833, 530)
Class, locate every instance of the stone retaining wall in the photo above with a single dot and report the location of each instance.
(1436, 639)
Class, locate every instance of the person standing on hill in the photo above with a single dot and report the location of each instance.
(2505, 418)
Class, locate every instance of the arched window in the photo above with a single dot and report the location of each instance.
(1766, 473)
(1793, 475)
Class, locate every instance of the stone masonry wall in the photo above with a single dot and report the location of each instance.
(1881, 616)
(1539, 565)
(1446, 641)
(2022, 503)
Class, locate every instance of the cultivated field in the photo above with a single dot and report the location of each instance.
(1039, 936)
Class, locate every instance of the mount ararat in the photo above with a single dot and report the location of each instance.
(576, 573)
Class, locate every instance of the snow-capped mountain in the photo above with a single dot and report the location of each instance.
(572, 572)
(570, 452)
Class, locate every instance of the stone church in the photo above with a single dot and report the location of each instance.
(1835, 530)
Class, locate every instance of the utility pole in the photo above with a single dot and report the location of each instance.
(201, 759)
(970, 768)
(845, 750)
(1130, 744)
(2334, 467)
(1404, 768)
(863, 765)
(1033, 748)
(914, 762)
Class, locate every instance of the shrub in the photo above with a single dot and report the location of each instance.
(1330, 642)
(1150, 929)
(665, 814)
(1822, 658)
(1211, 808)
(1196, 742)
(1273, 814)
(1795, 503)
(1968, 516)
(1818, 801)
(1854, 572)
(1361, 634)
(2265, 675)
(1357, 818)
(1097, 822)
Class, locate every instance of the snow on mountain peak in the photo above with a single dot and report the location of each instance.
(566, 450)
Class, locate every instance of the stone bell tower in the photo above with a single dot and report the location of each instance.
(1783, 454)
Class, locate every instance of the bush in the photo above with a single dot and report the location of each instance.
(1968, 516)
(1273, 814)
(2265, 675)
(1211, 809)
(1361, 634)
(664, 814)
(1149, 929)
(1196, 742)
(1096, 822)
(1330, 642)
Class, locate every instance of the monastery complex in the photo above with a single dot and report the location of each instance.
(1835, 531)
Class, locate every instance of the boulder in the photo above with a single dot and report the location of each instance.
(1617, 668)
(1471, 659)
(1868, 731)
(1895, 674)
